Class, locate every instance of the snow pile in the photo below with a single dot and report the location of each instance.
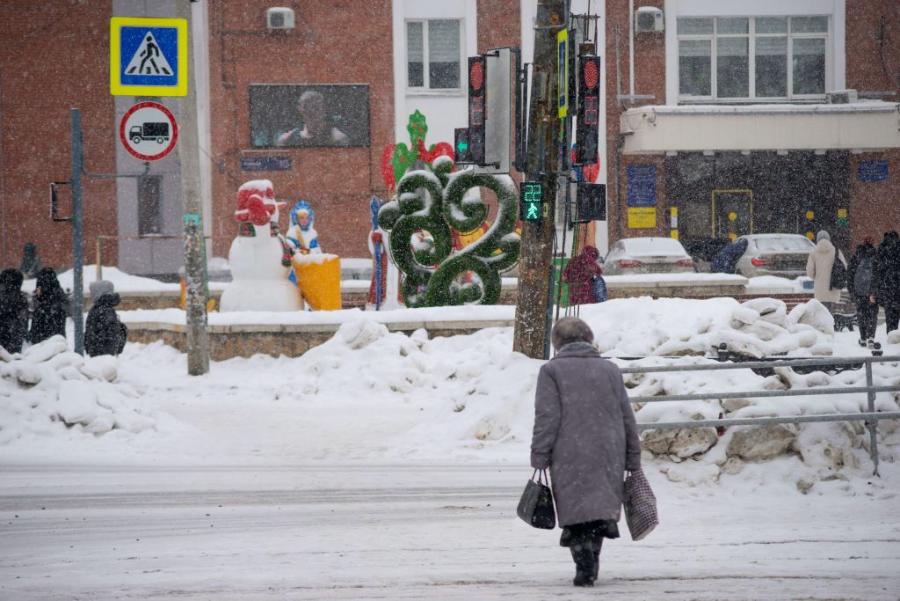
(122, 281)
(48, 389)
(676, 327)
(372, 396)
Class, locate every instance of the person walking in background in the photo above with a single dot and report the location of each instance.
(31, 264)
(104, 334)
(580, 274)
(819, 267)
(887, 279)
(860, 285)
(51, 307)
(585, 433)
(13, 311)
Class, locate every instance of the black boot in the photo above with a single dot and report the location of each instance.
(585, 564)
(597, 545)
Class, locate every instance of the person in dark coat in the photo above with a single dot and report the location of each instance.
(860, 285)
(585, 432)
(579, 274)
(31, 264)
(13, 310)
(104, 334)
(51, 307)
(726, 259)
(887, 279)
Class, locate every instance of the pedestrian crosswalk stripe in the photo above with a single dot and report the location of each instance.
(148, 59)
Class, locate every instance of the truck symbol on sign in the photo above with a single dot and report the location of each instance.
(149, 131)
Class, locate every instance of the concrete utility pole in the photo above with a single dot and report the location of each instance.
(536, 261)
(194, 244)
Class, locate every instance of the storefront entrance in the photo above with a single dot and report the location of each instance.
(729, 194)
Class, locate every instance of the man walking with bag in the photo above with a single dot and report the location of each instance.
(585, 433)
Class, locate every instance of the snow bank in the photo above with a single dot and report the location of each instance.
(49, 391)
(372, 396)
(122, 281)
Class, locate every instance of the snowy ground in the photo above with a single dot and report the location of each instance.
(383, 466)
(412, 532)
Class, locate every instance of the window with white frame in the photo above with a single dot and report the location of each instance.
(433, 54)
(733, 59)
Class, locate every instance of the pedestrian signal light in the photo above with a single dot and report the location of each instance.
(477, 100)
(461, 145)
(531, 201)
(587, 133)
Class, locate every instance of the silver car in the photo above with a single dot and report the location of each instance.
(782, 255)
(647, 255)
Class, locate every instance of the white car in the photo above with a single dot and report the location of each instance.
(647, 255)
(781, 255)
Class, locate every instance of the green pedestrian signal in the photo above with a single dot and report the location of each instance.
(461, 145)
(531, 201)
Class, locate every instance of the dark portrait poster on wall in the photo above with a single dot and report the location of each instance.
(301, 115)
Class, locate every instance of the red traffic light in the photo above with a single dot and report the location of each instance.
(591, 73)
(476, 75)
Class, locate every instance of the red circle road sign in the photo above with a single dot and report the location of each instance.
(148, 131)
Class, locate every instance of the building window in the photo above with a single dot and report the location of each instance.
(752, 58)
(433, 54)
(150, 205)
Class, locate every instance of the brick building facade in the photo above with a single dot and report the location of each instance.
(54, 55)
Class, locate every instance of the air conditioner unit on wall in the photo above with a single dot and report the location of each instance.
(279, 17)
(841, 97)
(648, 18)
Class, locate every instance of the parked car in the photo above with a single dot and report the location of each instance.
(782, 255)
(647, 255)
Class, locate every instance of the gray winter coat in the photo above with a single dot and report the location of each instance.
(584, 430)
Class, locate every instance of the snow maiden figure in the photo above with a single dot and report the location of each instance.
(260, 259)
(317, 274)
(302, 233)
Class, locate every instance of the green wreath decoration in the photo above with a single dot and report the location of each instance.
(434, 202)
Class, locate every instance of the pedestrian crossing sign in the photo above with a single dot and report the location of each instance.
(148, 56)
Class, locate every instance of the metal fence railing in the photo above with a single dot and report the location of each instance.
(870, 416)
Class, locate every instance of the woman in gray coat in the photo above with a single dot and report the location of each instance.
(585, 432)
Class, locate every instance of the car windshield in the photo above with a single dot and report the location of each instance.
(647, 247)
(784, 243)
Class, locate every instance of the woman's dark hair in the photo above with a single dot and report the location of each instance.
(570, 329)
(49, 285)
(11, 279)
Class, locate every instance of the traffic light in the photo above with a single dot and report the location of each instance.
(590, 203)
(477, 104)
(587, 133)
(461, 152)
(531, 201)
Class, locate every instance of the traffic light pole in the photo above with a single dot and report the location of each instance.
(536, 263)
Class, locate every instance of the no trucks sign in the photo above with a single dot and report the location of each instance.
(148, 131)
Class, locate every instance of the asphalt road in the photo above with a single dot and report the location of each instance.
(414, 532)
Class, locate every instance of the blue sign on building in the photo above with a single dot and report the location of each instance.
(264, 163)
(148, 57)
(873, 171)
(641, 185)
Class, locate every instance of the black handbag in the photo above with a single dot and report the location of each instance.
(536, 505)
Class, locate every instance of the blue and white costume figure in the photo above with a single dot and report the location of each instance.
(302, 234)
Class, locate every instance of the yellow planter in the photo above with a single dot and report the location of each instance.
(319, 280)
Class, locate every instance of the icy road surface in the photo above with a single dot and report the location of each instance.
(425, 532)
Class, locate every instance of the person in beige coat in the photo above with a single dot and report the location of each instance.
(818, 267)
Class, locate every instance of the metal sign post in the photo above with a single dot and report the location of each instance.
(77, 227)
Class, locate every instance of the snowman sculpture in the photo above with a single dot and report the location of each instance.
(260, 259)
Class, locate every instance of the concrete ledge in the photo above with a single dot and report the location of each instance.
(292, 340)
